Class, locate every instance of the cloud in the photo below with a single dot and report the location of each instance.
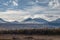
(48, 17)
(54, 4)
(19, 15)
(35, 9)
(11, 15)
(32, 9)
(15, 3)
(41, 1)
(14, 12)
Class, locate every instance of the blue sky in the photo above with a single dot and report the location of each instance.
(19, 10)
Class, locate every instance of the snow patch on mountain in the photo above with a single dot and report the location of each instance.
(42, 16)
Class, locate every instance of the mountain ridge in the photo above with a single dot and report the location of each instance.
(33, 20)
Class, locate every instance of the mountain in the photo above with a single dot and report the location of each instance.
(14, 22)
(7, 22)
(56, 21)
(2, 21)
(29, 23)
(35, 20)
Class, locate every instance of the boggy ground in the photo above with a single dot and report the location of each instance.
(28, 37)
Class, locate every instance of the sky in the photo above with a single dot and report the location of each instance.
(18, 10)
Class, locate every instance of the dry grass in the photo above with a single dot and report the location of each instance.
(28, 37)
(23, 36)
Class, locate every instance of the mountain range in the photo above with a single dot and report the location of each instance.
(29, 23)
(31, 20)
(56, 21)
(35, 20)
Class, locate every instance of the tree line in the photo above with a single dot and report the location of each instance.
(33, 31)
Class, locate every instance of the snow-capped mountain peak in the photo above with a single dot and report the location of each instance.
(2, 21)
(35, 20)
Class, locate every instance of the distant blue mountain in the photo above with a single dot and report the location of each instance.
(35, 20)
(29, 23)
(7, 22)
(56, 21)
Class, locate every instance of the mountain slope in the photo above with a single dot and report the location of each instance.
(14, 22)
(56, 21)
(35, 20)
(2, 21)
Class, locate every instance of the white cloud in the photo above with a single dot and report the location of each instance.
(19, 15)
(48, 17)
(11, 15)
(15, 12)
(35, 9)
(15, 3)
(41, 1)
(54, 4)
(37, 1)
(32, 11)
